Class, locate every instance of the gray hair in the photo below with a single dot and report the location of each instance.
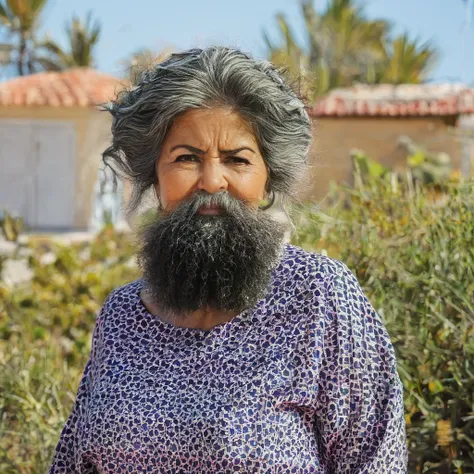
(214, 77)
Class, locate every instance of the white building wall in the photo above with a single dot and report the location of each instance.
(37, 172)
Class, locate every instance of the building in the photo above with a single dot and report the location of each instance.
(372, 118)
(52, 136)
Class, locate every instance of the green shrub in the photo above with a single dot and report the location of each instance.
(412, 250)
(45, 336)
(10, 226)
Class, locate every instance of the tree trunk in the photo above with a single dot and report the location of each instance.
(21, 56)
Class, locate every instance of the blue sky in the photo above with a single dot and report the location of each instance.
(130, 25)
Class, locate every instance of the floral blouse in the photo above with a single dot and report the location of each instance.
(303, 382)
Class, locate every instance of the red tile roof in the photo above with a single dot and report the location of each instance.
(396, 101)
(80, 87)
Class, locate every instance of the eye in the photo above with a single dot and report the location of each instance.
(187, 158)
(238, 160)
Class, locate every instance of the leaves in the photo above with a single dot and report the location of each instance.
(22, 19)
(30, 54)
(141, 60)
(24, 14)
(45, 330)
(408, 60)
(411, 248)
(83, 37)
(5, 16)
(11, 226)
(344, 47)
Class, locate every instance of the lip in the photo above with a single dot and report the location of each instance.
(210, 211)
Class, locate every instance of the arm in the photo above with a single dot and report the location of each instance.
(360, 424)
(66, 458)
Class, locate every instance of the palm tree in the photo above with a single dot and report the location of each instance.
(20, 19)
(353, 44)
(408, 61)
(343, 47)
(83, 37)
(288, 55)
(141, 60)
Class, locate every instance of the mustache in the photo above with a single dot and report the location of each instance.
(229, 204)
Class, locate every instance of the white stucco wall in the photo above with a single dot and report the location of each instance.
(91, 130)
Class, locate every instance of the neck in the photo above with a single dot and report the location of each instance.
(203, 318)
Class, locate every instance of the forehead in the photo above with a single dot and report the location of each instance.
(205, 125)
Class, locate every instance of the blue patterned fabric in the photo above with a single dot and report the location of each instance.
(304, 382)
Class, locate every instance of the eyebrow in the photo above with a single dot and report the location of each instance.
(201, 152)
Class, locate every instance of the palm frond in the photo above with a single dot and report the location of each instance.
(344, 46)
(51, 46)
(5, 53)
(47, 63)
(142, 60)
(38, 5)
(83, 37)
(270, 46)
(409, 60)
(5, 15)
(26, 13)
(314, 32)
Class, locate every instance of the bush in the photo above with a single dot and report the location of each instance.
(412, 251)
(45, 336)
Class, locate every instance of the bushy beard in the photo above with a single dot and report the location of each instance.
(222, 262)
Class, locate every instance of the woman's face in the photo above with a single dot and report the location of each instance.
(210, 150)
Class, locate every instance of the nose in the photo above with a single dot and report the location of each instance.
(212, 179)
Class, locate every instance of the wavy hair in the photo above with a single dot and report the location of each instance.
(204, 78)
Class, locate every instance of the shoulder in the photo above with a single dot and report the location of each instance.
(312, 266)
(124, 293)
(121, 298)
(325, 276)
(118, 303)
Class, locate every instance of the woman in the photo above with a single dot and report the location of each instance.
(236, 352)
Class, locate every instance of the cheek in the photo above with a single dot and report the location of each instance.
(252, 186)
(173, 187)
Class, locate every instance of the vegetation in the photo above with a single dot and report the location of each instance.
(406, 61)
(411, 249)
(45, 335)
(20, 20)
(10, 226)
(344, 47)
(425, 166)
(141, 60)
(83, 37)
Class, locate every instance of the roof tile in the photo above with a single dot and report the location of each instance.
(396, 100)
(79, 87)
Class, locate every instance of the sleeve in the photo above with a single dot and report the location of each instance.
(66, 457)
(360, 422)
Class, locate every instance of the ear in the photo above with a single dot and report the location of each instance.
(268, 186)
(156, 191)
(156, 171)
(271, 200)
(155, 181)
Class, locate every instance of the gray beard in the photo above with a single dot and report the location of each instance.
(224, 262)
